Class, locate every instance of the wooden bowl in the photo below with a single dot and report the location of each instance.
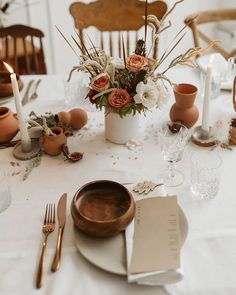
(5, 84)
(102, 208)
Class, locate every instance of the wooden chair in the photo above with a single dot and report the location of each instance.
(115, 16)
(18, 47)
(193, 21)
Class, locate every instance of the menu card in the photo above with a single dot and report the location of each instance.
(156, 235)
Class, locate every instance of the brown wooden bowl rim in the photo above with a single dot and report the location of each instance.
(73, 204)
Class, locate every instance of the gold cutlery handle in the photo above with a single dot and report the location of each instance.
(57, 256)
(26, 96)
(41, 265)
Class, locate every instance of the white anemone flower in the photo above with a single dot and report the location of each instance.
(147, 95)
(150, 94)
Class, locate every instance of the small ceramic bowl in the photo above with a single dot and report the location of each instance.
(102, 208)
(5, 84)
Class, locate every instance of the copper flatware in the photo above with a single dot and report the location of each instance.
(61, 215)
(25, 99)
(34, 95)
(48, 227)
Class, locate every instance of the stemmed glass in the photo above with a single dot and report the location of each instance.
(173, 138)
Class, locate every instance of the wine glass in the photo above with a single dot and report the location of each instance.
(173, 138)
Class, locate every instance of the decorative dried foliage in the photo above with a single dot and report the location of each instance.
(72, 157)
(140, 48)
(47, 120)
(94, 61)
(35, 162)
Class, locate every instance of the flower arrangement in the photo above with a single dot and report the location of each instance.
(135, 83)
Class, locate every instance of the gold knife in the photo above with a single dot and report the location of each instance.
(61, 215)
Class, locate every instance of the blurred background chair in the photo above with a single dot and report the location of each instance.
(207, 17)
(22, 47)
(114, 19)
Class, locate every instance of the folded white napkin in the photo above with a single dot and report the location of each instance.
(153, 278)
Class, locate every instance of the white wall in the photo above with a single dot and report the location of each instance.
(45, 14)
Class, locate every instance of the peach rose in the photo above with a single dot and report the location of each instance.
(100, 82)
(118, 98)
(135, 63)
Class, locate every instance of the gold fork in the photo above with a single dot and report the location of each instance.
(34, 95)
(48, 227)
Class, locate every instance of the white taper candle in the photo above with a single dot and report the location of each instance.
(206, 100)
(24, 134)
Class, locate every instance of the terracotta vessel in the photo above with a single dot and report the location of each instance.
(76, 118)
(8, 125)
(52, 144)
(5, 84)
(184, 110)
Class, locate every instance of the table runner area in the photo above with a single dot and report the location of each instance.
(209, 254)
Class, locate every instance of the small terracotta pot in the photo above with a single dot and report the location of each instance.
(5, 84)
(8, 125)
(184, 110)
(232, 132)
(52, 144)
(76, 118)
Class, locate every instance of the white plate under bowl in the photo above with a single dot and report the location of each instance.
(5, 100)
(109, 254)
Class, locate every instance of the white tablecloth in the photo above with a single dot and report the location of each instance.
(209, 254)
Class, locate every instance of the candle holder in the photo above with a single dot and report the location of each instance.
(22, 153)
(203, 138)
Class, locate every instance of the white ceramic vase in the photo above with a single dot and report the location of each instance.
(120, 130)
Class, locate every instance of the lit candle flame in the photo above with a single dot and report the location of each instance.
(8, 68)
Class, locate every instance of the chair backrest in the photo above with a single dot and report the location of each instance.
(194, 20)
(19, 48)
(115, 16)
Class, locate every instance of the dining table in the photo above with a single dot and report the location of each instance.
(208, 256)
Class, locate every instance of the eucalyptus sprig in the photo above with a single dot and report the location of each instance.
(35, 162)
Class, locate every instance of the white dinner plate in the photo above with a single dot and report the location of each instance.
(109, 254)
(5, 99)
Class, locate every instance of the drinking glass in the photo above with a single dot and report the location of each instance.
(205, 170)
(5, 194)
(231, 68)
(173, 138)
(72, 92)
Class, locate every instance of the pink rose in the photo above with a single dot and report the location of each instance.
(100, 82)
(135, 63)
(118, 98)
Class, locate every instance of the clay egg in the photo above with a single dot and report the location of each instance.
(76, 118)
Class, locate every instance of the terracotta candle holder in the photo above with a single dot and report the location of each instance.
(184, 110)
(52, 144)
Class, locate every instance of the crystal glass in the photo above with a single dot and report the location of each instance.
(5, 193)
(205, 170)
(173, 138)
(76, 91)
(231, 68)
(72, 92)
